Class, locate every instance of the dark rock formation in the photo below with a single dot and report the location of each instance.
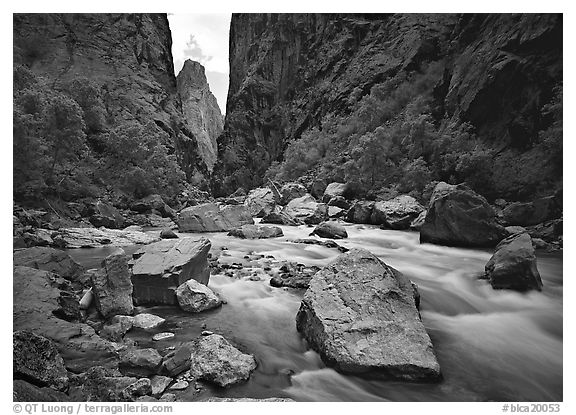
(160, 268)
(458, 216)
(291, 72)
(360, 212)
(112, 286)
(215, 360)
(331, 229)
(532, 213)
(129, 60)
(396, 213)
(23, 391)
(48, 259)
(200, 110)
(361, 316)
(211, 217)
(513, 265)
(103, 214)
(256, 232)
(151, 204)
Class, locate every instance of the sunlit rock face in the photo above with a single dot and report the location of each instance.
(200, 109)
(289, 73)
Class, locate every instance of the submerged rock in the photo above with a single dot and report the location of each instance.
(327, 244)
(210, 217)
(160, 268)
(361, 316)
(37, 360)
(397, 213)
(256, 232)
(458, 216)
(49, 259)
(331, 229)
(112, 286)
(513, 265)
(215, 360)
(195, 297)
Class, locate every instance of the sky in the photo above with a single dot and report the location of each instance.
(203, 37)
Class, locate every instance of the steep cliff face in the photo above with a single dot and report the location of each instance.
(127, 56)
(200, 109)
(291, 73)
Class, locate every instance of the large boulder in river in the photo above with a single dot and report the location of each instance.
(333, 190)
(260, 201)
(280, 217)
(211, 217)
(458, 216)
(361, 316)
(112, 286)
(35, 299)
(532, 213)
(291, 191)
(195, 297)
(160, 268)
(307, 210)
(331, 230)
(360, 212)
(397, 213)
(513, 265)
(49, 259)
(215, 360)
(37, 361)
(256, 232)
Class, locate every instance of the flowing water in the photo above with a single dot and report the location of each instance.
(492, 345)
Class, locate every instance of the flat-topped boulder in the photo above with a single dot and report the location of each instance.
(513, 265)
(256, 232)
(160, 268)
(35, 298)
(458, 216)
(94, 238)
(397, 213)
(361, 316)
(212, 217)
(306, 209)
(48, 259)
(260, 201)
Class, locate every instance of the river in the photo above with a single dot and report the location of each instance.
(492, 345)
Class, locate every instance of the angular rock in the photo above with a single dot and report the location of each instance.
(112, 286)
(360, 315)
(333, 190)
(36, 360)
(291, 191)
(140, 362)
(104, 214)
(307, 210)
(137, 389)
(116, 328)
(260, 201)
(419, 221)
(457, 216)
(99, 384)
(161, 267)
(256, 232)
(153, 203)
(146, 321)
(215, 360)
(397, 213)
(35, 298)
(177, 361)
(179, 386)
(532, 213)
(23, 391)
(549, 231)
(512, 230)
(513, 265)
(294, 276)
(360, 212)
(49, 259)
(168, 234)
(335, 212)
(159, 384)
(210, 217)
(162, 336)
(94, 238)
(194, 297)
(327, 244)
(280, 217)
(331, 229)
(339, 201)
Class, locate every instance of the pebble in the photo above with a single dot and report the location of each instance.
(180, 385)
(207, 333)
(162, 336)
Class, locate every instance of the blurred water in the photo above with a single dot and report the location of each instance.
(491, 345)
